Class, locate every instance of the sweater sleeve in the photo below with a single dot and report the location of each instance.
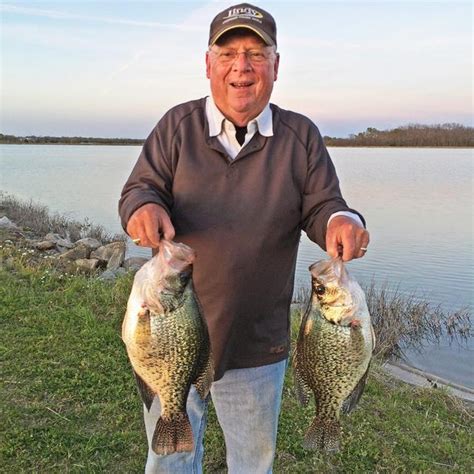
(322, 196)
(150, 180)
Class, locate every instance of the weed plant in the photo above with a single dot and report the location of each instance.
(35, 217)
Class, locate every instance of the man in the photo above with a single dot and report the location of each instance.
(237, 179)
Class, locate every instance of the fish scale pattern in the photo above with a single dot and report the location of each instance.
(170, 350)
(167, 354)
(337, 355)
(330, 360)
(333, 352)
(168, 343)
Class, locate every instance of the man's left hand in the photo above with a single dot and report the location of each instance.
(346, 238)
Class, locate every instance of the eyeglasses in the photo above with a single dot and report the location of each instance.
(229, 56)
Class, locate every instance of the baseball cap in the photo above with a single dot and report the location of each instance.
(247, 16)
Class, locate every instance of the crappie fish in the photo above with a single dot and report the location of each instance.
(333, 351)
(167, 343)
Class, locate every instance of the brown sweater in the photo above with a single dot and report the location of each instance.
(243, 217)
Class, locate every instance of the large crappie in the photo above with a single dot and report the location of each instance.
(333, 351)
(167, 342)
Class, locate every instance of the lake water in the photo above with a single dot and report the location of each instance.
(418, 204)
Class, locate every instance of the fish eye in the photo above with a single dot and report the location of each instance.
(320, 290)
(184, 277)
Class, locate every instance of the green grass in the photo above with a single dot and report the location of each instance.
(69, 402)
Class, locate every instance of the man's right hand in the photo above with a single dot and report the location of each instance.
(148, 223)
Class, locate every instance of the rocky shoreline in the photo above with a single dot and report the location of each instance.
(87, 254)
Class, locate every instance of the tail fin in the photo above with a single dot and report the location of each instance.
(323, 435)
(173, 435)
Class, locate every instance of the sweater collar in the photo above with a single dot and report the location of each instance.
(216, 120)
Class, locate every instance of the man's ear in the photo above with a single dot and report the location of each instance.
(276, 66)
(208, 65)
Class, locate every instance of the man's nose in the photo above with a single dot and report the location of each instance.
(242, 61)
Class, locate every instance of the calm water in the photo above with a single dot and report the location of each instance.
(418, 204)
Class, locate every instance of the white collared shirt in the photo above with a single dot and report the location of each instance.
(224, 130)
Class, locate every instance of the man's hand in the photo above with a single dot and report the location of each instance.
(345, 237)
(148, 223)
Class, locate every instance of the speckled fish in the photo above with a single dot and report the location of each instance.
(333, 351)
(167, 343)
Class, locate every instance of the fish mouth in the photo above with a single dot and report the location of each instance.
(337, 314)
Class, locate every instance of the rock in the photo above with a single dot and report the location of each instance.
(52, 237)
(110, 275)
(116, 259)
(81, 251)
(105, 252)
(87, 264)
(45, 245)
(134, 263)
(6, 223)
(59, 241)
(89, 242)
(113, 254)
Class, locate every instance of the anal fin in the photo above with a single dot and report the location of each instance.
(353, 399)
(303, 392)
(205, 375)
(146, 393)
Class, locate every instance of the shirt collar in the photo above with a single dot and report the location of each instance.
(215, 118)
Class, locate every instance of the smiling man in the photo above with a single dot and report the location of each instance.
(238, 179)
(242, 70)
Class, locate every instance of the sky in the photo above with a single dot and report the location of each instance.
(113, 68)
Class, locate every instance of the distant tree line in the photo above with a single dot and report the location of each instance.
(11, 139)
(412, 135)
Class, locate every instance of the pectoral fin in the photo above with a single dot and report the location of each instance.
(146, 393)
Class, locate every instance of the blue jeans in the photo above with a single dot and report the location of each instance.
(247, 404)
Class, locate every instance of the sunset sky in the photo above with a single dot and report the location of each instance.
(112, 68)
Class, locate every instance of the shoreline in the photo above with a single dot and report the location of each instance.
(327, 144)
(419, 378)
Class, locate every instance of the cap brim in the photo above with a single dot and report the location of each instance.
(268, 41)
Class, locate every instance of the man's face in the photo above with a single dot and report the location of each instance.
(241, 88)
